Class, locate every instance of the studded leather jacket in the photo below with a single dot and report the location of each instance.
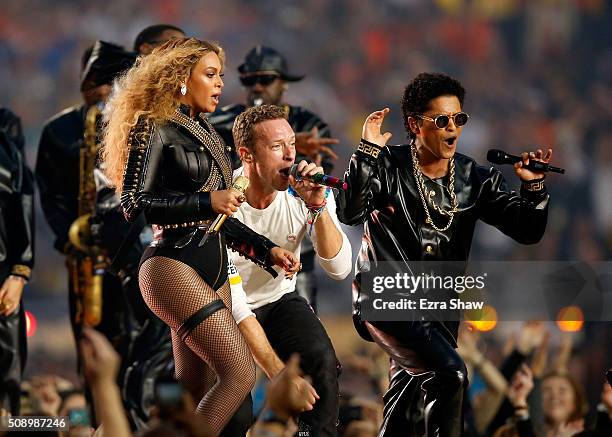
(382, 193)
(171, 169)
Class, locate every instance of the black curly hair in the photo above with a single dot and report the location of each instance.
(424, 88)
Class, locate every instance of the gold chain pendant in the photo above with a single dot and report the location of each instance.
(418, 176)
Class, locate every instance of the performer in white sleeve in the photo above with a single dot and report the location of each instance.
(286, 215)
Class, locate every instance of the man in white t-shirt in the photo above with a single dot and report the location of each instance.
(286, 215)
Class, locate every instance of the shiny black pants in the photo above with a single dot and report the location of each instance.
(13, 353)
(427, 381)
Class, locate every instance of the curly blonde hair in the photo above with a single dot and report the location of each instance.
(151, 88)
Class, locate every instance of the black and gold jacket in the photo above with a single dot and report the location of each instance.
(16, 201)
(171, 169)
(382, 193)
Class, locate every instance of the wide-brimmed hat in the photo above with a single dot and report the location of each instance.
(266, 60)
(106, 62)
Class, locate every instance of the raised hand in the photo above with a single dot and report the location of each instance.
(100, 360)
(310, 144)
(372, 128)
(529, 175)
(288, 393)
(311, 193)
(520, 386)
(532, 335)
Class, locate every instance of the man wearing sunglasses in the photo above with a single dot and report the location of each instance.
(420, 202)
(265, 77)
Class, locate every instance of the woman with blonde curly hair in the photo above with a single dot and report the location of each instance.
(172, 169)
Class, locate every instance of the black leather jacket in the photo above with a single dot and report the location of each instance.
(16, 201)
(170, 171)
(382, 193)
(57, 170)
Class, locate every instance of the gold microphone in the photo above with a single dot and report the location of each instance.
(240, 185)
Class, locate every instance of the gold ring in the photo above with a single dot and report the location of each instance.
(242, 198)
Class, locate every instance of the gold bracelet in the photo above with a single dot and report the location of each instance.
(537, 185)
(369, 149)
(21, 270)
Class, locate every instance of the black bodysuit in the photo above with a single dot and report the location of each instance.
(171, 169)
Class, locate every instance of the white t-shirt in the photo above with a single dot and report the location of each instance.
(240, 309)
(285, 222)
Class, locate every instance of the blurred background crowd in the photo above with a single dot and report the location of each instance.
(537, 73)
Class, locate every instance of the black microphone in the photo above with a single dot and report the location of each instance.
(500, 157)
(319, 178)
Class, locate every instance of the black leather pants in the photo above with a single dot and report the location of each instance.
(13, 353)
(427, 377)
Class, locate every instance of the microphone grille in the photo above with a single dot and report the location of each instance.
(240, 184)
(293, 170)
(496, 156)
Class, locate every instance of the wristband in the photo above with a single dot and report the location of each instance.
(535, 185)
(369, 148)
(21, 270)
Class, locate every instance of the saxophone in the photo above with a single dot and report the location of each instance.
(87, 263)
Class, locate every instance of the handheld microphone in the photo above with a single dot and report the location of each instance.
(500, 157)
(319, 178)
(240, 185)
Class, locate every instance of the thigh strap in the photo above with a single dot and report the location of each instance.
(198, 317)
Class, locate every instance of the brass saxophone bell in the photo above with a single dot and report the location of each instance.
(79, 233)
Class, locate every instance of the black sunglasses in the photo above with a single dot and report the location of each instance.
(442, 120)
(263, 79)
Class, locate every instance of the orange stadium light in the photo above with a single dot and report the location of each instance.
(31, 324)
(482, 320)
(570, 319)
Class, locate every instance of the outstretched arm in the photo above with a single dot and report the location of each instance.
(522, 217)
(365, 177)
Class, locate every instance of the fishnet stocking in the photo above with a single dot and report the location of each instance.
(174, 291)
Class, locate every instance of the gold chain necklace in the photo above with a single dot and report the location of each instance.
(418, 176)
